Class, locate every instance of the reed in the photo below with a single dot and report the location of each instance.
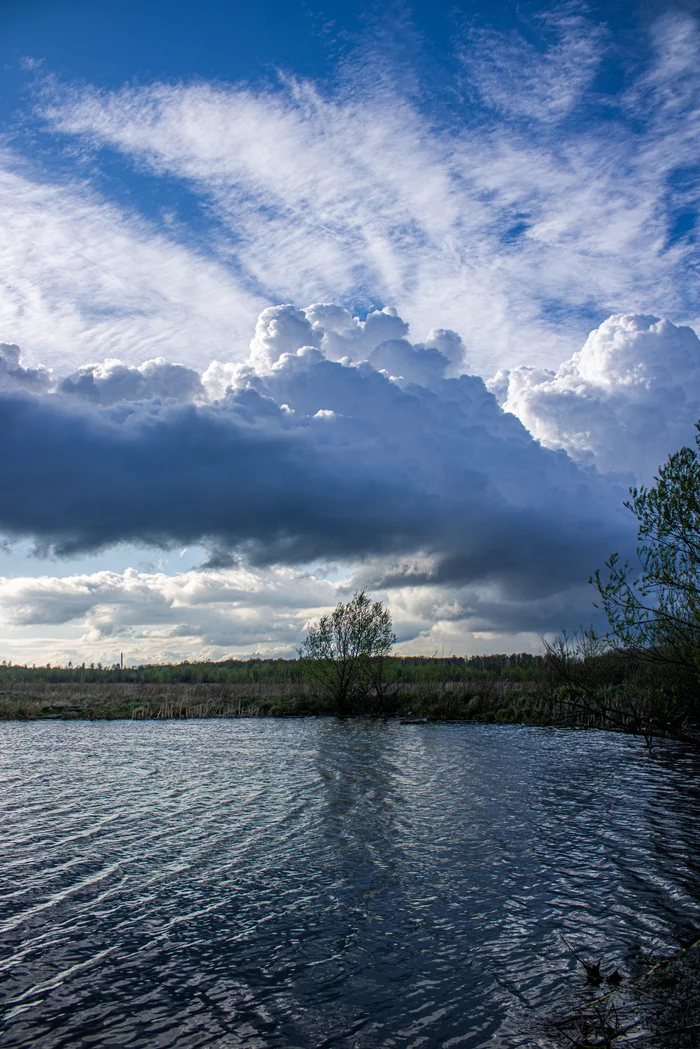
(486, 699)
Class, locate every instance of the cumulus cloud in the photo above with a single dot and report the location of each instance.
(304, 458)
(280, 329)
(337, 442)
(413, 364)
(342, 337)
(629, 397)
(13, 374)
(113, 381)
(346, 336)
(154, 615)
(241, 611)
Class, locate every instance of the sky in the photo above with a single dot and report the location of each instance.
(298, 298)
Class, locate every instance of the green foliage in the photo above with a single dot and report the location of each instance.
(345, 653)
(228, 671)
(403, 670)
(653, 604)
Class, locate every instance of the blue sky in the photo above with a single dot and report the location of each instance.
(574, 99)
(168, 172)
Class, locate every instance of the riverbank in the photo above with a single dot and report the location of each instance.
(607, 692)
(502, 703)
(657, 1007)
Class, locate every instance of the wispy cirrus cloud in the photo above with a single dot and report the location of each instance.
(81, 279)
(515, 233)
(515, 77)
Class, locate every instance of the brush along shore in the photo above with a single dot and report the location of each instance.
(656, 1006)
(493, 701)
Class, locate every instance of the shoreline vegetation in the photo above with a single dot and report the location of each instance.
(484, 688)
(597, 692)
(657, 1006)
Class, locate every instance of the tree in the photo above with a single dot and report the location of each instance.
(345, 652)
(653, 604)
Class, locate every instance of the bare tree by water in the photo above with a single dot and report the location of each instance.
(345, 652)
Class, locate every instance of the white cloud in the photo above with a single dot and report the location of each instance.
(416, 484)
(622, 403)
(80, 279)
(153, 617)
(280, 329)
(113, 381)
(668, 90)
(517, 78)
(503, 232)
(302, 457)
(14, 376)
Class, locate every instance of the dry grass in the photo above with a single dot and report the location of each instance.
(480, 699)
(29, 701)
(658, 1009)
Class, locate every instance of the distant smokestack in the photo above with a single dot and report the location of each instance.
(121, 660)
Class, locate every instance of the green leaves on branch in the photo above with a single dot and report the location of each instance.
(345, 652)
(653, 607)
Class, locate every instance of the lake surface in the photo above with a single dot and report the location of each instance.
(315, 883)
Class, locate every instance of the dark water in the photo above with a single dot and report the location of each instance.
(314, 883)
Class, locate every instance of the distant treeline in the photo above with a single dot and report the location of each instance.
(415, 670)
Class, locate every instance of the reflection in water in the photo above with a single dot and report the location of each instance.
(316, 883)
(360, 799)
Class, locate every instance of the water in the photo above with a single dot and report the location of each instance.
(313, 883)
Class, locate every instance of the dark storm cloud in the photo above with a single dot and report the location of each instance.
(309, 458)
(84, 479)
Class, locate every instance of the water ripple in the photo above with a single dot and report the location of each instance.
(268, 884)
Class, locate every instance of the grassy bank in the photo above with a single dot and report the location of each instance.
(609, 691)
(482, 688)
(490, 700)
